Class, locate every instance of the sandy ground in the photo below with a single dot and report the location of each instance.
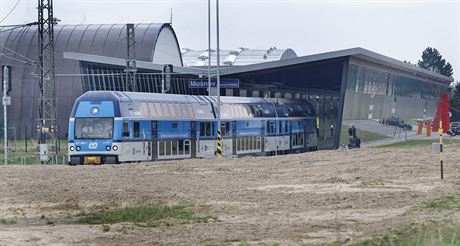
(311, 198)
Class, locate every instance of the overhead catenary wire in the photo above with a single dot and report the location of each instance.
(15, 5)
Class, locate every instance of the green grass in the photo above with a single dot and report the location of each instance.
(417, 235)
(417, 143)
(365, 136)
(444, 203)
(150, 216)
(7, 222)
(430, 234)
(31, 153)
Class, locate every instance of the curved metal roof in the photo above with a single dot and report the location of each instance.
(236, 57)
(18, 48)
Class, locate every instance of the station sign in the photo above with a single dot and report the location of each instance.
(224, 83)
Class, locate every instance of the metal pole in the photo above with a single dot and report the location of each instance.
(219, 146)
(209, 47)
(441, 157)
(5, 116)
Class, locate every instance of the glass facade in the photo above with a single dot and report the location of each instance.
(99, 77)
(377, 94)
(372, 81)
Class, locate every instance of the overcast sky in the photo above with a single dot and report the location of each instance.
(399, 29)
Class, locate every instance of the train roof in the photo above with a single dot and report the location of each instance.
(171, 106)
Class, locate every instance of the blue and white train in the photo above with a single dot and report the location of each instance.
(117, 127)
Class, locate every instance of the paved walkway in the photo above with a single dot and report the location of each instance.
(434, 137)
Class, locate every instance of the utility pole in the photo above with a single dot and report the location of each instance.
(46, 82)
(219, 140)
(6, 102)
(131, 69)
(209, 47)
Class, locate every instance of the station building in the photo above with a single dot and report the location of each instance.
(352, 84)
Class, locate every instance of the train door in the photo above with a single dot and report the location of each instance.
(126, 148)
(234, 138)
(206, 135)
(193, 139)
(227, 139)
(154, 142)
(262, 137)
(141, 141)
(290, 132)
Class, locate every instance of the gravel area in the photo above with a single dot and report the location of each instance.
(312, 198)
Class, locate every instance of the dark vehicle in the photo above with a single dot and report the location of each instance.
(406, 127)
(455, 124)
(453, 131)
(394, 121)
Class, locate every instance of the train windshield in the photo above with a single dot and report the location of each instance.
(92, 128)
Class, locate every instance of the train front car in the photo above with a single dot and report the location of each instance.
(91, 129)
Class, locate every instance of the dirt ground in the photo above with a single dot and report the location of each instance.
(312, 198)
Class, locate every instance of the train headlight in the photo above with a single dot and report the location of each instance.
(78, 148)
(107, 148)
(72, 148)
(115, 148)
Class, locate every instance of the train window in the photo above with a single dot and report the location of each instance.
(181, 147)
(178, 110)
(161, 148)
(259, 111)
(280, 126)
(145, 109)
(174, 125)
(286, 127)
(208, 129)
(125, 129)
(271, 127)
(202, 129)
(152, 110)
(158, 110)
(168, 147)
(187, 147)
(165, 109)
(225, 128)
(172, 109)
(174, 147)
(137, 129)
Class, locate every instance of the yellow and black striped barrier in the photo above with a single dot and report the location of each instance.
(219, 145)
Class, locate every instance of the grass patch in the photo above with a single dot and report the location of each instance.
(105, 228)
(444, 203)
(372, 183)
(7, 222)
(418, 143)
(417, 235)
(18, 149)
(365, 136)
(147, 216)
